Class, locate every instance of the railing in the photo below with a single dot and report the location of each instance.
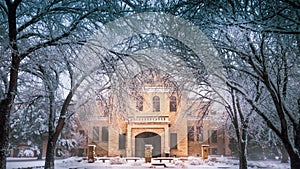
(149, 119)
(101, 118)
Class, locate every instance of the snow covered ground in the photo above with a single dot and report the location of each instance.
(192, 162)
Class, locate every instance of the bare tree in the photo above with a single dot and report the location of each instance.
(31, 28)
(265, 50)
(264, 37)
(241, 114)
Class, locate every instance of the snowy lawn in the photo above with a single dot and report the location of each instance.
(119, 163)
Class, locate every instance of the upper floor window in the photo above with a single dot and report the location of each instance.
(173, 104)
(191, 133)
(199, 133)
(214, 136)
(96, 134)
(156, 104)
(139, 103)
(105, 134)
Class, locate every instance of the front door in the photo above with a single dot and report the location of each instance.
(147, 138)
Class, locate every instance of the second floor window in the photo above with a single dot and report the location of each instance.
(105, 134)
(156, 104)
(139, 103)
(199, 133)
(173, 105)
(96, 134)
(214, 136)
(191, 133)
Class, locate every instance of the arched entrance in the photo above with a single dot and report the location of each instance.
(147, 138)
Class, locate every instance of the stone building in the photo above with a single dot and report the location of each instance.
(152, 110)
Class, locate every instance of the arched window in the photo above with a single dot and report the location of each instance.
(139, 103)
(173, 104)
(156, 104)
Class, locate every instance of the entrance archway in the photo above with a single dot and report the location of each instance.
(147, 138)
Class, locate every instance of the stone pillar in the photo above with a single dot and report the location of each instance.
(167, 140)
(128, 142)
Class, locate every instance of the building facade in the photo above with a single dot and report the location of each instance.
(152, 111)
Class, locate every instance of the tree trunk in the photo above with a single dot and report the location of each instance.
(49, 162)
(294, 156)
(243, 159)
(243, 137)
(243, 150)
(297, 129)
(54, 134)
(52, 139)
(4, 131)
(7, 102)
(295, 161)
(40, 147)
(284, 154)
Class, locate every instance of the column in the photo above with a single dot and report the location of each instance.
(167, 140)
(128, 142)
